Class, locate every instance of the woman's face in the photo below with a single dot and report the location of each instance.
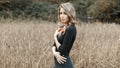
(64, 18)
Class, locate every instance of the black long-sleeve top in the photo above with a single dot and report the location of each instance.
(66, 40)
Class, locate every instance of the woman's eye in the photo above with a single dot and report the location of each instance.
(60, 12)
(65, 13)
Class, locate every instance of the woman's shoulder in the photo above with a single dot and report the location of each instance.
(71, 28)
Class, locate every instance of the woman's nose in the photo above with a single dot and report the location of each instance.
(62, 15)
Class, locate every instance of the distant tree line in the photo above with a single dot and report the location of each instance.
(102, 10)
(87, 10)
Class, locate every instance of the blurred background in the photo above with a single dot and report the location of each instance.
(87, 10)
(27, 28)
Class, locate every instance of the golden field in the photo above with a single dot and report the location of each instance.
(27, 44)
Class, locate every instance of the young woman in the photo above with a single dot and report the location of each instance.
(64, 36)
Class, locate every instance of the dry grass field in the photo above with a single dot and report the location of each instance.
(27, 44)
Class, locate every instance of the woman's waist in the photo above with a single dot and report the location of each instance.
(64, 54)
(67, 57)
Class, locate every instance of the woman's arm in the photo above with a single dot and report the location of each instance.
(56, 41)
(68, 40)
(55, 37)
(59, 58)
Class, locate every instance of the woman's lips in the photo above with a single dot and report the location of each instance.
(63, 19)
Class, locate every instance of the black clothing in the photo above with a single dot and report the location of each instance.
(66, 40)
(67, 64)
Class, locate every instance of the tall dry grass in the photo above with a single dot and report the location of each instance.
(27, 44)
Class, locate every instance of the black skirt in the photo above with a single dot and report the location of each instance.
(67, 64)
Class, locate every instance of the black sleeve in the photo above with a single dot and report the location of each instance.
(67, 41)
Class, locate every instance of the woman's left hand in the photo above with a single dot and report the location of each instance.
(60, 58)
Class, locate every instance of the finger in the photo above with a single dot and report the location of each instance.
(61, 61)
(63, 57)
(59, 30)
(60, 58)
(58, 61)
(64, 60)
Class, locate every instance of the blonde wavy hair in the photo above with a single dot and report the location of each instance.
(70, 10)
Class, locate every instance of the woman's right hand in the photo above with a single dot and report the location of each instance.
(56, 33)
(60, 58)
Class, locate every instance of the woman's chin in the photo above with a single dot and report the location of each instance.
(63, 22)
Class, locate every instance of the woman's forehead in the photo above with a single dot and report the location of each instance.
(62, 10)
